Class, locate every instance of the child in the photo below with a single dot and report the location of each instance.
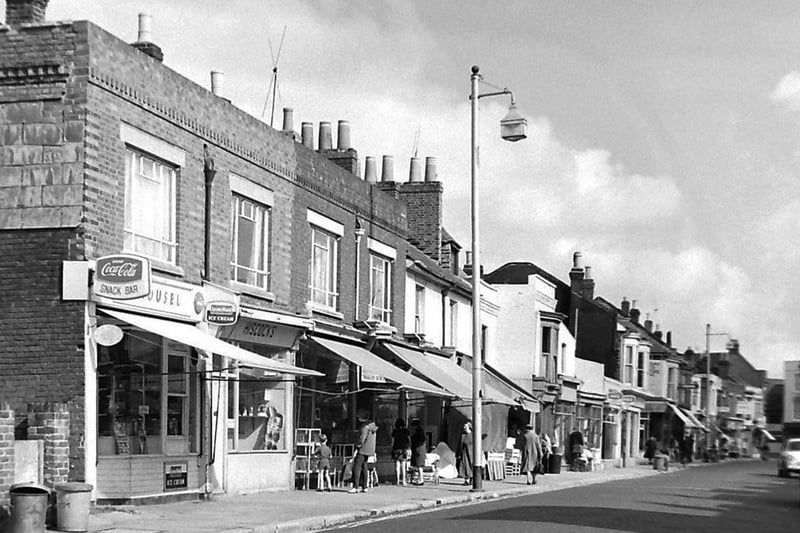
(372, 473)
(324, 465)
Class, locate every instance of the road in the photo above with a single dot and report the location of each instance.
(728, 497)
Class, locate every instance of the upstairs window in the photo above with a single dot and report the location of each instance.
(628, 369)
(150, 207)
(324, 265)
(453, 323)
(640, 369)
(419, 309)
(251, 231)
(380, 288)
(549, 352)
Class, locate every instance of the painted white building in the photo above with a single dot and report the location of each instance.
(791, 391)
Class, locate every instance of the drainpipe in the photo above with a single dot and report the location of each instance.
(359, 232)
(209, 172)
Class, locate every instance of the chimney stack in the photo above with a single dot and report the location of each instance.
(217, 81)
(430, 169)
(588, 284)
(20, 12)
(145, 38)
(325, 142)
(370, 170)
(288, 120)
(415, 170)
(343, 135)
(669, 339)
(635, 313)
(648, 324)
(387, 174)
(625, 307)
(307, 134)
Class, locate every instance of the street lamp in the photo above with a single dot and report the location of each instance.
(513, 127)
(708, 381)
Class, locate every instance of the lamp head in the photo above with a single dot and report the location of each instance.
(513, 127)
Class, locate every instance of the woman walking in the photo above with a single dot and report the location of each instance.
(464, 454)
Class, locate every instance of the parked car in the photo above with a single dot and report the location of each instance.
(789, 458)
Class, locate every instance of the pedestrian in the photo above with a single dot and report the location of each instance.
(575, 442)
(464, 454)
(372, 471)
(546, 451)
(650, 449)
(364, 449)
(324, 465)
(531, 455)
(418, 451)
(401, 450)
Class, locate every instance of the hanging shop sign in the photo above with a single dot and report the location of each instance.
(221, 313)
(176, 476)
(167, 298)
(122, 277)
(108, 335)
(614, 395)
(262, 332)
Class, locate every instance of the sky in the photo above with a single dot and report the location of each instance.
(663, 137)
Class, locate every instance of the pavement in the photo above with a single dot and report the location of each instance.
(299, 510)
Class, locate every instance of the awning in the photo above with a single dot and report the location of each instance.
(447, 375)
(767, 435)
(695, 421)
(191, 336)
(680, 414)
(369, 362)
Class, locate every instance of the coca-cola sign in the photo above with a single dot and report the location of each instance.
(122, 277)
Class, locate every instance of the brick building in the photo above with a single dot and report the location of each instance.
(110, 159)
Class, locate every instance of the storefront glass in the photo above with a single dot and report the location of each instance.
(148, 393)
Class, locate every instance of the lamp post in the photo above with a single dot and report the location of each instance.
(708, 381)
(513, 127)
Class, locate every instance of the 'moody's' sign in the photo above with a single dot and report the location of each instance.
(122, 277)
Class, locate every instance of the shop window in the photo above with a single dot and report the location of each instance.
(250, 251)
(150, 207)
(380, 288)
(139, 380)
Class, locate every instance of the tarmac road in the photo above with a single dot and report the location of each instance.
(732, 496)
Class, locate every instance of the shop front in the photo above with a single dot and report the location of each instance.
(354, 383)
(150, 428)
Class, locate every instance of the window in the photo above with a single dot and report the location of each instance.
(627, 376)
(672, 386)
(549, 356)
(250, 252)
(148, 397)
(380, 288)
(419, 309)
(640, 370)
(150, 207)
(797, 382)
(453, 323)
(324, 266)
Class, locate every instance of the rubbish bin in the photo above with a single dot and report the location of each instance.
(555, 464)
(73, 500)
(28, 507)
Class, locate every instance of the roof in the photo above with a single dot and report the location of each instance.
(422, 262)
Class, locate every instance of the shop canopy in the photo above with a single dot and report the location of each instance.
(688, 424)
(767, 434)
(447, 375)
(372, 364)
(191, 336)
(695, 421)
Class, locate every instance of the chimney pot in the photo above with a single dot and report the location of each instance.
(415, 170)
(288, 119)
(217, 81)
(587, 273)
(325, 142)
(370, 170)
(388, 169)
(145, 28)
(343, 135)
(625, 307)
(648, 325)
(635, 315)
(307, 134)
(669, 338)
(577, 260)
(430, 169)
(25, 11)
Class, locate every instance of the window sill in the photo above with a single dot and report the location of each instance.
(250, 290)
(318, 309)
(159, 265)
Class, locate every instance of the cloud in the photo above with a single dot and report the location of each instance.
(788, 91)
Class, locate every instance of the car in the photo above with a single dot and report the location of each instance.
(789, 458)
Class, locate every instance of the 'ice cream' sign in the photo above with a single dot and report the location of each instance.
(122, 277)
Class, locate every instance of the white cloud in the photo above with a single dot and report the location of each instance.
(788, 91)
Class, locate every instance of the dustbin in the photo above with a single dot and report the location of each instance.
(28, 507)
(555, 463)
(73, 500)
